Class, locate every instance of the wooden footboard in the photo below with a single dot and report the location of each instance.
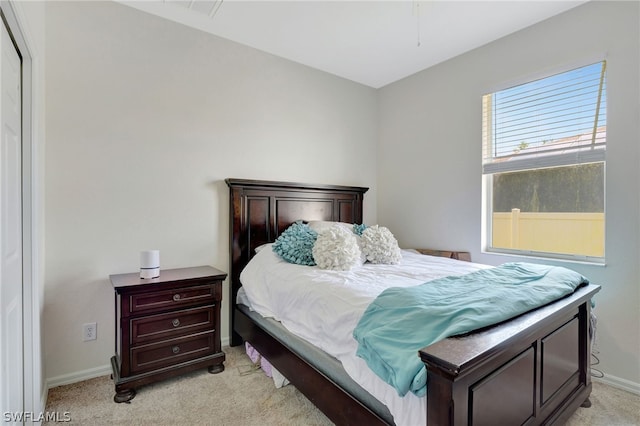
(531, 370)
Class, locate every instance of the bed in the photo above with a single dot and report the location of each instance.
(534, 368)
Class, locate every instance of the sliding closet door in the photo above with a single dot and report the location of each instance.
(11, 279)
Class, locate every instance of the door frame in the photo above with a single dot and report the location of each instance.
(34, 393)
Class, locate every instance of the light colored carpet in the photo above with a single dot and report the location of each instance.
(235, 397)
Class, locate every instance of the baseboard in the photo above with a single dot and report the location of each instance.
(78, 376)
(619, 383)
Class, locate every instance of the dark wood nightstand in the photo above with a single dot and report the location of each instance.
(166, 326)
(458, 255)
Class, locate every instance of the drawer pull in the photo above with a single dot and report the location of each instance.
(175, 349)
(175, 322)
(176, 297)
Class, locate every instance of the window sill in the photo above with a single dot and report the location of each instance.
(547, 257)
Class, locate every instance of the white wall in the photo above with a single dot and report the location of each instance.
(145, 119)
(429, 172)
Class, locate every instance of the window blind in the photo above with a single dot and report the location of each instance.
(555, 121)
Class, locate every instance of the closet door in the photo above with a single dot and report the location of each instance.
(11, 278)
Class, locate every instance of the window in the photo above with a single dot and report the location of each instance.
(543, 161)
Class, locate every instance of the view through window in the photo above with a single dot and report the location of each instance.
(544, 145)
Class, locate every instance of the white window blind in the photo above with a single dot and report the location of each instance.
(555, 121)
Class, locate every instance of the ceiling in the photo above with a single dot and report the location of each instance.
(371, 42)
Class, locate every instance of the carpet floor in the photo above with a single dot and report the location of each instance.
(242, 395)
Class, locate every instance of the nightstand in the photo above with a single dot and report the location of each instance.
(166, 326)
(458, 255)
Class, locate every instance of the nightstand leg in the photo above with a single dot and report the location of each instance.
(124, 395)
(215, 369)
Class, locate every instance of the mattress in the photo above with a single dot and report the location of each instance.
(323, 307)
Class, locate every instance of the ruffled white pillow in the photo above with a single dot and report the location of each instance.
(323, 225)
(337, 248)
(380, 246)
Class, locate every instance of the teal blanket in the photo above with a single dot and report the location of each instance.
(401, 321)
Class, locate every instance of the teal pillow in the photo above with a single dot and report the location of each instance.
(359, 229)
(295, 244)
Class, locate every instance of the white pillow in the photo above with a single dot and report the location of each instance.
(380, 246)
(322, 225)
(337, 248)
(261, 246)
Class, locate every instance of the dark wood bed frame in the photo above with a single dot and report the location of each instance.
(533, 369)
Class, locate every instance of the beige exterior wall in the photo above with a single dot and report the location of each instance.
(566, 233)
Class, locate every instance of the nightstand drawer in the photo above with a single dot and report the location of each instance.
(170, 352)
(178, 297)
(173, 324)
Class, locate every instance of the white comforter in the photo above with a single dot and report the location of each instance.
(323, 307)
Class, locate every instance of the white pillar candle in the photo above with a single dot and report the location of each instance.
(150, 264)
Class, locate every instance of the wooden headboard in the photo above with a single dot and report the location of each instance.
(260, 210)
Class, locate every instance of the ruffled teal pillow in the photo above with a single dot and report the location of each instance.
(358, 229)
(295, 244)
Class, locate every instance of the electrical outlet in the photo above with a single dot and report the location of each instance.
(89, 331)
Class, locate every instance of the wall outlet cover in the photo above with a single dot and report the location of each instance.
(89, 331)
